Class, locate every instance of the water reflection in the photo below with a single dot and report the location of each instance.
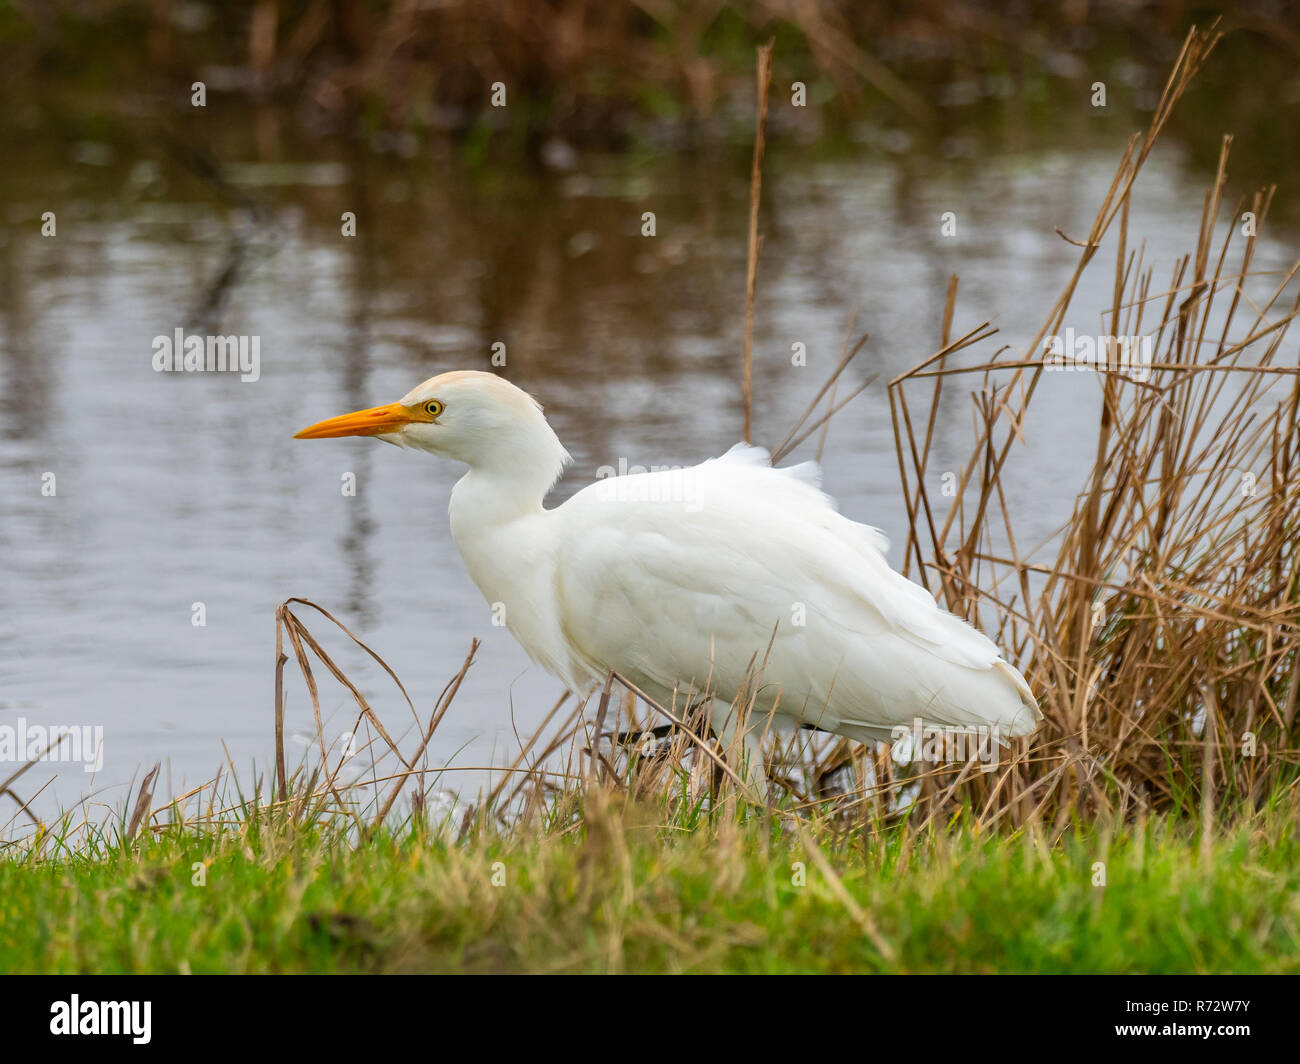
(179, 489)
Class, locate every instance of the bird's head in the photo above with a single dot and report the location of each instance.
(477, 418)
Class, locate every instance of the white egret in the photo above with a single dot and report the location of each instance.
(682, 580)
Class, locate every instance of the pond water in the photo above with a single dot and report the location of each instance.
(174, 489)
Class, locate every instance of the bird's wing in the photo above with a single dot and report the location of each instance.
(682, 577)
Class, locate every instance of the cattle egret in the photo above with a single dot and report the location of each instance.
(691, 583)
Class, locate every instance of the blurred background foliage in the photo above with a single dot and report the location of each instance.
(629, 74)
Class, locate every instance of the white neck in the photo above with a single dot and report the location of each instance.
(510, 479)
(509, 541)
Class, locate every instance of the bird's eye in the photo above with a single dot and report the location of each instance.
(433, 408)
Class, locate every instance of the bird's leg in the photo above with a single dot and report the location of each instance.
(745, 756)
(632, 738)
(641, 752)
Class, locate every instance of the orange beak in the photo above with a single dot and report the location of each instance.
(372, 422)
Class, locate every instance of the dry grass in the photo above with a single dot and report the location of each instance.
(1161, 635)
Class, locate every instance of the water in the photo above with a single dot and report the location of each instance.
(178, 489)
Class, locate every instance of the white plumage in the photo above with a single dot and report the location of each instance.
(682, 579)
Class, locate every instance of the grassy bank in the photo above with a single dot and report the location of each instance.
(630, 889)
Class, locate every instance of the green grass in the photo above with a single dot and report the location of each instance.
(624, 892)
